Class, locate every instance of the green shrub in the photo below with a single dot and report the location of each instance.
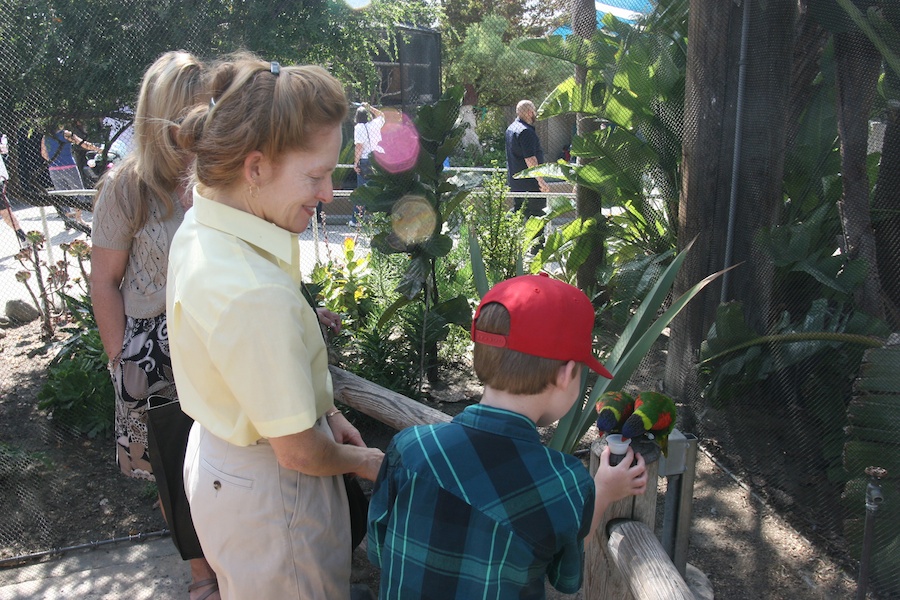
(499, 231)
(384, 358)
(78, 393)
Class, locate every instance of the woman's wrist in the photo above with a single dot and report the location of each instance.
(114, 362)
(332, 412)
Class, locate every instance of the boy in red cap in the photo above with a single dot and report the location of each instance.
(479, 507)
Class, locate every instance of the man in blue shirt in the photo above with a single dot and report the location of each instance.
(479, 507)
(523, 149)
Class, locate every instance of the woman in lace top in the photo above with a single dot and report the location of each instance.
(139, 206)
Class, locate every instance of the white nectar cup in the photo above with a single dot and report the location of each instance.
(617, 448)
(617, 445)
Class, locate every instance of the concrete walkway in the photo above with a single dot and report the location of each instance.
(136, 570)
(133, 570)
(312, 244)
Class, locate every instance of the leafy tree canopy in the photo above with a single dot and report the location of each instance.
(500, 72)
(526, 18)
(83, 59)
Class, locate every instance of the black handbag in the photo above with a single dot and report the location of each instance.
(359, 510)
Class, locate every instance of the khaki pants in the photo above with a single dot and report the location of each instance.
(268, 532)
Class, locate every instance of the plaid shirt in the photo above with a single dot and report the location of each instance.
(478, 508)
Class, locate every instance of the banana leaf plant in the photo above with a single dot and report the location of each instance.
(872, 439)
(567, 246)
(634, 85)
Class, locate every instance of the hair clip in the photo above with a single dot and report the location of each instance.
(276, 68)
(212, 103)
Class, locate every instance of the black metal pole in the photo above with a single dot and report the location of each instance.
(874, 498)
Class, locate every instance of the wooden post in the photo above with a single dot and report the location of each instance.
(602, 579)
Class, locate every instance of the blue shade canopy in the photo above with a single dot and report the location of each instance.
(629, 11)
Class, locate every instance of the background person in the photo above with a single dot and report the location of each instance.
(366, 140)
(6, 212)
(139, 206)
(64, 172)
(479, 507)
(266, 455)
(523, 149)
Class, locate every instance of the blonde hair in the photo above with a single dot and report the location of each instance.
(509, 370)
(254, 107)
(171, 86)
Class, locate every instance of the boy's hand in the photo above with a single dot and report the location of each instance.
(622, 480)
(614, 483)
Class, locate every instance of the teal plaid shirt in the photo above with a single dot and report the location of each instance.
(478, 508)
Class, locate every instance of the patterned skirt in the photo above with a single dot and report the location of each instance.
(145, 369)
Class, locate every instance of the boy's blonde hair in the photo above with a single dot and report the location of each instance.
(171, 86)
(508, 370)
(258, 105)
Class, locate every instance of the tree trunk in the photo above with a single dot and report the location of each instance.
(711, 99)
(886, 206)
(809, 43)
(587, 201)
(858, 64)
(702, 211)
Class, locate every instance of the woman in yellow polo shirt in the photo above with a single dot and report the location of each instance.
(266, 455)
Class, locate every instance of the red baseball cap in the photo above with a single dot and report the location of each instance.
(547, 318)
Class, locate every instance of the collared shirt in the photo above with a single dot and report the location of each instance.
(247, 352)
(478, 507)
(521, 142)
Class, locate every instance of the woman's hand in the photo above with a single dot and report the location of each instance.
(329, 319)
(314, 453)
(344, 432)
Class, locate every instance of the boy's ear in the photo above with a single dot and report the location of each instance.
(567, 372)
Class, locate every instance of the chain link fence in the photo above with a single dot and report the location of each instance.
(796, 389)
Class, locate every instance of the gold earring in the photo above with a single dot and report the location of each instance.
(253, 189)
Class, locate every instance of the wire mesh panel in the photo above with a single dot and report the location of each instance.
(766, 133)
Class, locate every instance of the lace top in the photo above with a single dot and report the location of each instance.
(144, 285)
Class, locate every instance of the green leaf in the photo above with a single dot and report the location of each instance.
(597, 53)
(391, 310)
(456, 311)
(479, 274)
(413, 280)
(438, 245)
(387, 242)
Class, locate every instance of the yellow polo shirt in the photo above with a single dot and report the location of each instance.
(247, 353)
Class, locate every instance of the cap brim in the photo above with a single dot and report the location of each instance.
(597, 367)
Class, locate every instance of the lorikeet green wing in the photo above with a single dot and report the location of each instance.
(653, 413)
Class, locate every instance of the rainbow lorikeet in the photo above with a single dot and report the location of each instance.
(653, 413)
(613, 408)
